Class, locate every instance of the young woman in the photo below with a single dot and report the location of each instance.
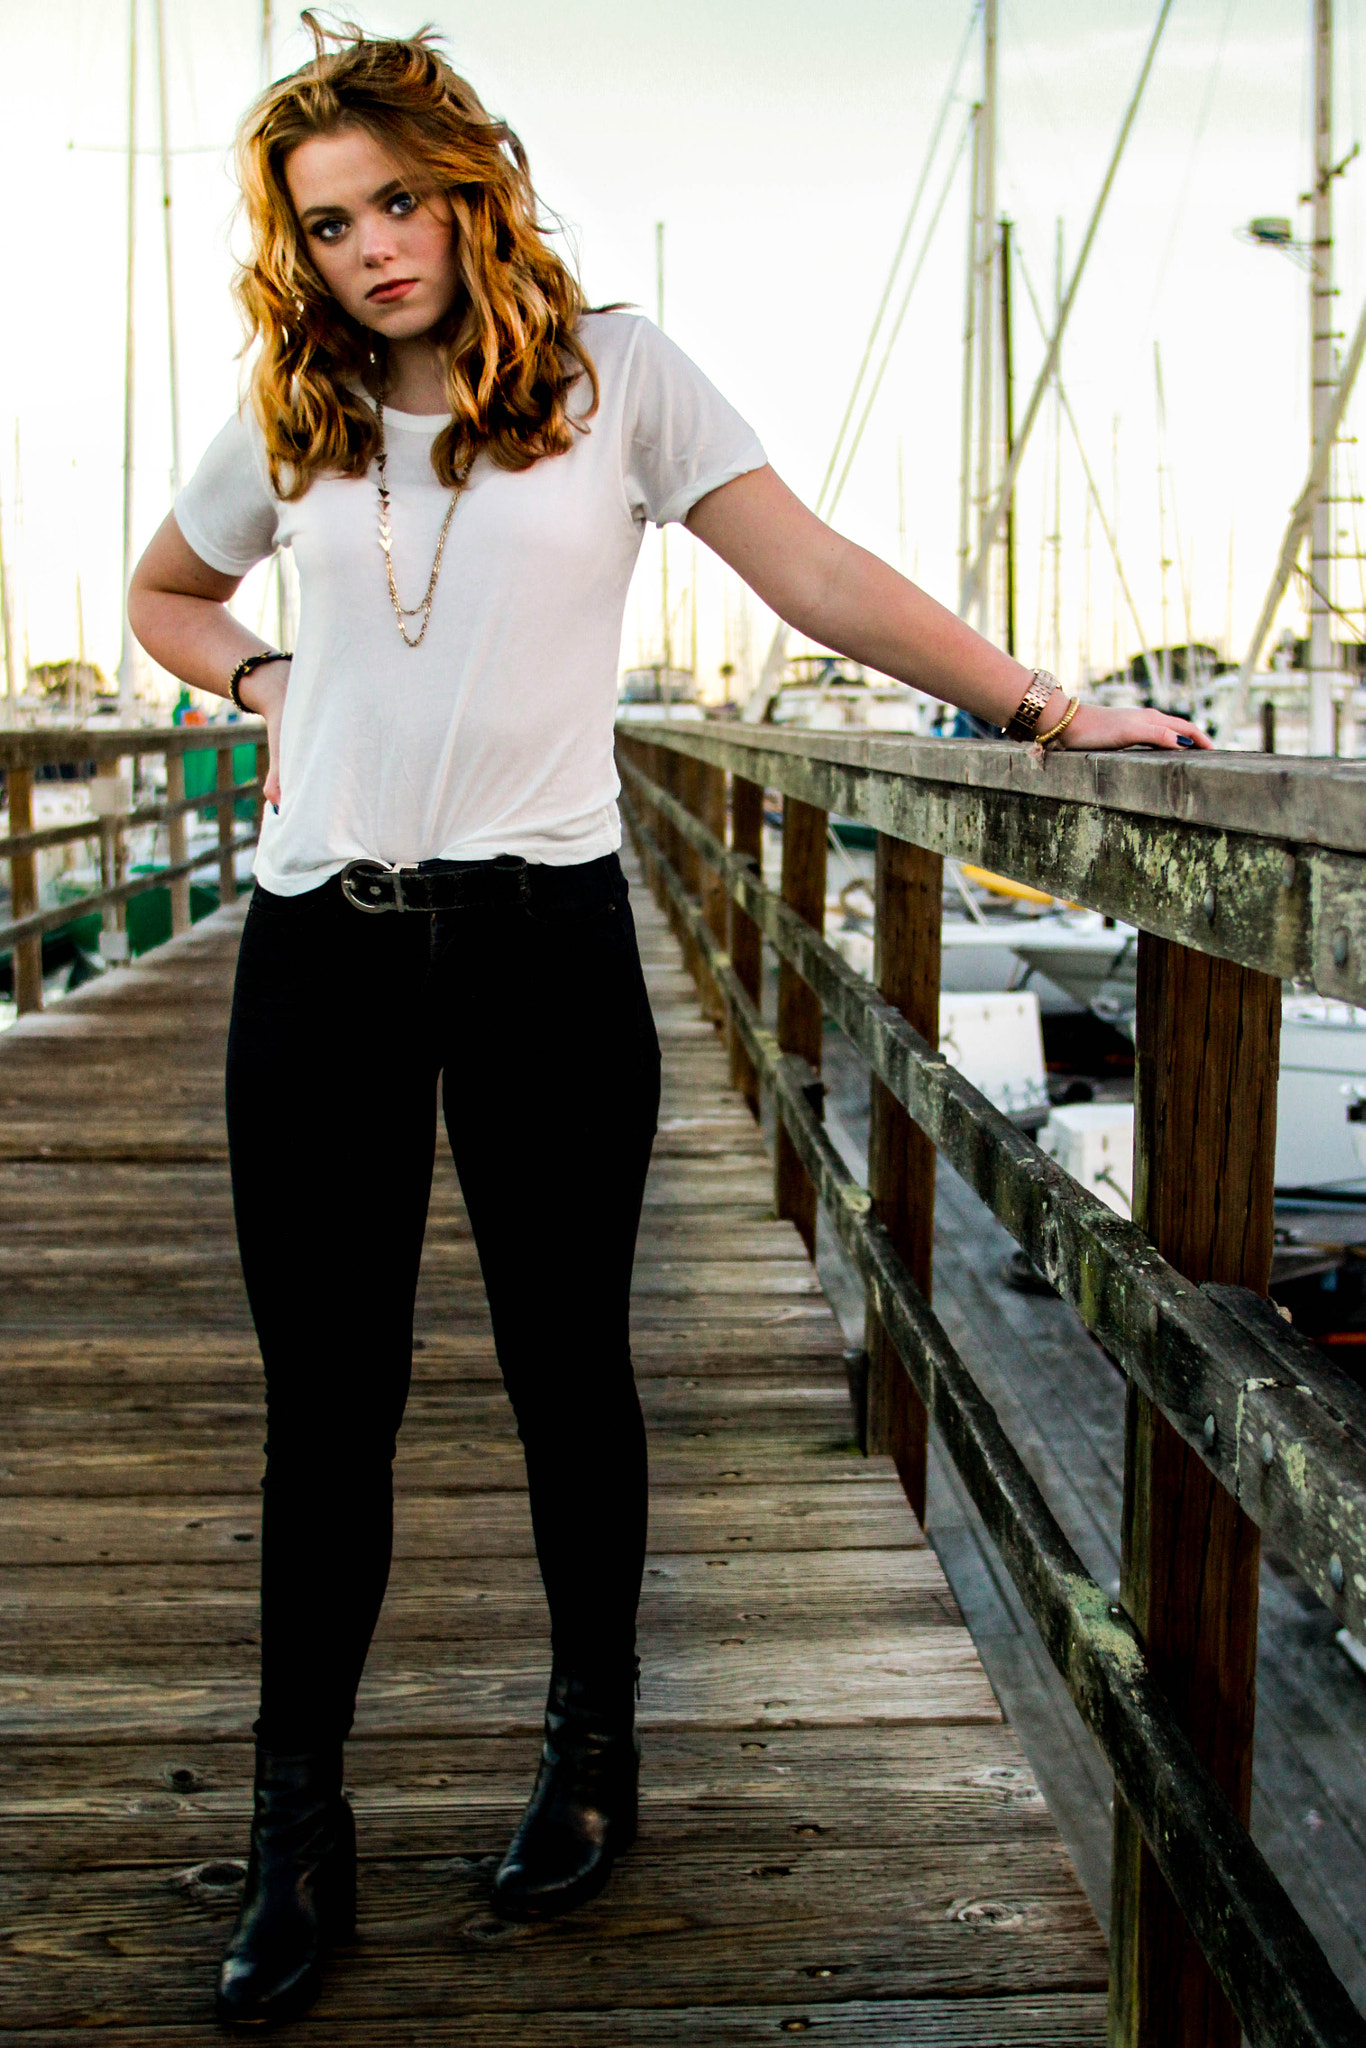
(463, 460)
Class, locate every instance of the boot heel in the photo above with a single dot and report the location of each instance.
(342, 1913)
(625, 1820)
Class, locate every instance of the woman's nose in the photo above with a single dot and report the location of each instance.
(376, 241)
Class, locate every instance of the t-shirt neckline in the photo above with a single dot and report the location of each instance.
(417, 422)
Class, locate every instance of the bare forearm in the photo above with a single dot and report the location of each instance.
(844, 598)
(196, 638)
(865, 610)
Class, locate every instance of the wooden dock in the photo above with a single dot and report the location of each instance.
(840, 1835)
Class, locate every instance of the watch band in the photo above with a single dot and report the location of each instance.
(1029, 710)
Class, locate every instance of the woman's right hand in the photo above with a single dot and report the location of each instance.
(263, 691)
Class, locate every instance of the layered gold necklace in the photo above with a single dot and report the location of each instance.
(386, 536)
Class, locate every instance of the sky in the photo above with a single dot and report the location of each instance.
(780, 145)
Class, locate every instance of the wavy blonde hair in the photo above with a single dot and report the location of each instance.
(512, 348)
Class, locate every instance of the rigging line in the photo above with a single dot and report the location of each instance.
(1201, 124)
(975, 579)
(1306, 577)
(1111, 539)
(901, 315)
(900, 249)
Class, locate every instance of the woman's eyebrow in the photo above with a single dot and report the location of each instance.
(375, 199)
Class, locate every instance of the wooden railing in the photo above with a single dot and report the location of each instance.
(1238, 873)
(115, 812)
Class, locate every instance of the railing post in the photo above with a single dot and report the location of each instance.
(799, 1007)
(177, 843)
(1208, 1037)
(666, 761)
(712, 812)
(688, 790)
(649, 759)
(746, 940)
(23, 886)
(708, 786)
(908, 889)
(113, 870)
(223, 780)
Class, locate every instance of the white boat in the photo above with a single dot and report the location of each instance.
(1093, 958)
(826, 693)
(1320, 1141)
(659, 691)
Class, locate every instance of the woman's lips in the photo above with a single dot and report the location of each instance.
(389, 294)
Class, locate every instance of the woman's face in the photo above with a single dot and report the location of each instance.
(385, 252)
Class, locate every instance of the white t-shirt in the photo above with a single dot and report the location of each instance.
(494, 736)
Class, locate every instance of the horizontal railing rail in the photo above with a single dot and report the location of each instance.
(23, 753)
(1264, 869)
(1181, 848)
(72, 746)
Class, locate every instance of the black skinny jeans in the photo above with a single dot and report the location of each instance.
(537, 1019)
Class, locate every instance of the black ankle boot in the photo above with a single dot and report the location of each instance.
(300, 1893)
(582, 1812)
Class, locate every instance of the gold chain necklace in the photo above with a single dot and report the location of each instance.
(386, 535)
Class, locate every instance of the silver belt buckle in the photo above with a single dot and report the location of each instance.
(371, 886)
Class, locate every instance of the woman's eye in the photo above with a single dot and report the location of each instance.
(329, 230)
(403, 202)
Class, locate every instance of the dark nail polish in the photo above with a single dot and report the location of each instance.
(276, 807)
(1183, 739)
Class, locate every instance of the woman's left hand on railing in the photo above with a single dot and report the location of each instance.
(263, 691)
(1099, 725)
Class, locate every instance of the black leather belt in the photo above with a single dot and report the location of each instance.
(437, 884)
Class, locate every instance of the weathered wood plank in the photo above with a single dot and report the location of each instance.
(799, 1010)
(1178, 847)
(909, 886)
(1208, 1035)
(1064, 2020)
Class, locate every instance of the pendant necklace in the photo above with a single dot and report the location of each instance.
(386, 532)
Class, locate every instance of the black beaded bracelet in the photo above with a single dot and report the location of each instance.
(244, 669)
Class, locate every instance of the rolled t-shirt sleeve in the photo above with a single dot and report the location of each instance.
(227, 511)
(681, 438)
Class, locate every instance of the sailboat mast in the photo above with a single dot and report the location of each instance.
(1056, 536)
(166, 232)
(986, 372)
(1163, 558)
(969, 344)
(1323, 375)
(7, 626)
(663, 534)
(127, 654)
(1008, 382)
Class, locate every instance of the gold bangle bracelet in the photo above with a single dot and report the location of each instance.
(1073, 707)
